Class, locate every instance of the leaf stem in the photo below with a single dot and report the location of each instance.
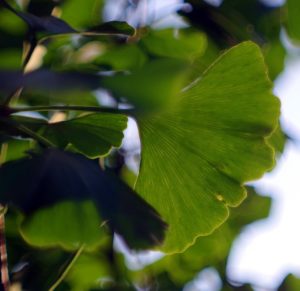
(68, 268)
(69, 108)
(47, 143)
(3, 251)
(34, 135)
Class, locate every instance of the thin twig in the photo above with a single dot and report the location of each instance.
(70, 108)
(67, 269)
(34, 135)
(3, 252)
(22, 128)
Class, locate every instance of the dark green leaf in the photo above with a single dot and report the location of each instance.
(47, 81)
(93, 135)
(50, 25)
(16, 148)
(57, 176)
(112, 28)
(47, 24)
(9, 82)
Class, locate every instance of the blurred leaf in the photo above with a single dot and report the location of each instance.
(213, 250)
(182, 43)
(293, 21)
(290, 283)
(52, 25)
(124, 57)
(204, 147)
(44, 80)
(17, 148)
(152, 86)
(10, 59)
(112, 27)
(73, 12)
(9, 82)
(10, 23)
(42, 267)
(235, 21)
(57, 176)
(87, 272)
(274, 53)
(277, 140)
(67, 224)
(35, 269)
(41, 7)
(47, 24)
(155, 84)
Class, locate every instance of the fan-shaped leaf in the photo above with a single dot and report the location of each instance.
(92, 135)
(68, 224)
(197, 154)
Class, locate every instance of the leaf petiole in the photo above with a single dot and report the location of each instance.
(71, 108)
(67, 269)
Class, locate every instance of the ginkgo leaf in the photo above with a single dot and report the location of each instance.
(197, 154)
(82, 225)
(92, 135)
(36, 183)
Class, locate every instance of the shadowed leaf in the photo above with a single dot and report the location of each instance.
(112, 28)
(9, 82)
(57, 176)
(51, 25)
(47, 81)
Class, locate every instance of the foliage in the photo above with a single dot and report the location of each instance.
(208, 123)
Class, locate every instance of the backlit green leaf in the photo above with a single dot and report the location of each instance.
(151, 86)
(293, 20)
(213, 250)
(182, 44)
(197, 154)
(123, 58)
(73, 13)
(68, 224)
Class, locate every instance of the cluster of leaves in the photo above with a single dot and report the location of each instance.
(206, 128)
